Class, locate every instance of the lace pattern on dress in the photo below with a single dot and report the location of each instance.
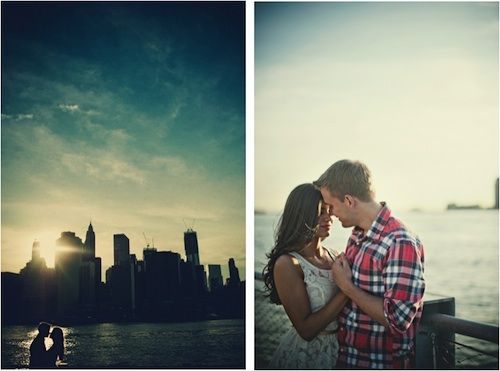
(321, 352)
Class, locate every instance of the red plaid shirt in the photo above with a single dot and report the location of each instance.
(387, 262)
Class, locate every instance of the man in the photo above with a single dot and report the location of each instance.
(37, 347)
(381, 272)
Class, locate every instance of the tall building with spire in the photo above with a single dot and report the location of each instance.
(90, 271)
(37, 294)
(89, 245)
(191, 246)
(35, 251)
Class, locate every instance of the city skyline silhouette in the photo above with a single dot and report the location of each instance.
(156, 286)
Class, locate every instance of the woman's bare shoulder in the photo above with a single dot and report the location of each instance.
(287, 263)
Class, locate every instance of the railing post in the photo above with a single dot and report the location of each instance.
(440, 354)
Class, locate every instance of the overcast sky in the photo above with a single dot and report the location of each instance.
(129, 115)
(411, 89)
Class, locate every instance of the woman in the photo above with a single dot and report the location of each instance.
(298, 276)
(56, 351)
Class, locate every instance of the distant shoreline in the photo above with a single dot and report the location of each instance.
(450, 207)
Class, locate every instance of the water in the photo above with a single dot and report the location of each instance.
(208, 344)
(461, 255)
(461, 260)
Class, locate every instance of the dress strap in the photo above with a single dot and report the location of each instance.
(331, 253)
(295, 254)
(305, 263)
(302, 261)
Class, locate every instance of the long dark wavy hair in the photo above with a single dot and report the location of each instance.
(296, 228)
(58, 338)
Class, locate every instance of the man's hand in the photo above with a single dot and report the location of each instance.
(341, 271)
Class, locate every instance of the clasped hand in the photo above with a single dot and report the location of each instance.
(341, 271)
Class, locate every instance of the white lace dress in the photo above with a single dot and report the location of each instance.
(322, 351)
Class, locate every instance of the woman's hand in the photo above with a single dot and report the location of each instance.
(341, 272)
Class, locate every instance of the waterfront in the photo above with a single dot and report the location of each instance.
(207, 344)
(461, 255)
(461, 261)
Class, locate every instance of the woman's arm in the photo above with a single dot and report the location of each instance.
(289, 281)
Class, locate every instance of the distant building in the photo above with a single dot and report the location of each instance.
(462, 207)
(215, 277)
(163, 275)
(188, 279)
(121, 249)
(89, 245)
(201, 279)
(191, 246)
(90, 270)
(35, 253)
(38, 286)
(496, 194)
(120, 288)
(12, 304)
(67, 265)
(133, 270)
(234, 274)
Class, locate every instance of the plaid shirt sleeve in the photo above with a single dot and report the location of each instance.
(403, 277)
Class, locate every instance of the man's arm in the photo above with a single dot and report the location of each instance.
(404, 287)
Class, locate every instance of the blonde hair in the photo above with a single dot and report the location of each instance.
(346, 177)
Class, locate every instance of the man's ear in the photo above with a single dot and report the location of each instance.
(350, 200)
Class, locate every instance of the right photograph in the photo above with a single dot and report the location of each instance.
(376, 185)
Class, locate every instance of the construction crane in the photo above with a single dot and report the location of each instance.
(145, 239)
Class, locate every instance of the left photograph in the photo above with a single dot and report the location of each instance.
(123, 185)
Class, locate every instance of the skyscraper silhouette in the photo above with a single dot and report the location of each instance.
(89, 246)
(38, 288)
(234, 274)
(67, 265)
(191, 246)
(121, 249)
(215, 277)
(90, 271)
(35, 251)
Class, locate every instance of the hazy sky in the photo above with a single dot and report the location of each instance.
(411, 89)
(129, 115)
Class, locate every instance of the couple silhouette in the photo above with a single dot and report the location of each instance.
(40, 357)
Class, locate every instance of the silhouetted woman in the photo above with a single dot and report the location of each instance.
(56, 351)
(298, 276)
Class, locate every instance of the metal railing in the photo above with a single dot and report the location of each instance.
(443, 341)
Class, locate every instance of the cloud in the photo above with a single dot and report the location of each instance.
(69, 107)
(18, 117)
(173, 165)
(102, 166)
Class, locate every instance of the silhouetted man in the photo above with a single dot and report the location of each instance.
(37, 347)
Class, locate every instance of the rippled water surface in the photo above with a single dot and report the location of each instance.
(209, 344)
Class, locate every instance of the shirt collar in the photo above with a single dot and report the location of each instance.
(377, 226)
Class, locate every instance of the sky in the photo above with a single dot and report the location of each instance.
(410, 89)
(128, 115)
